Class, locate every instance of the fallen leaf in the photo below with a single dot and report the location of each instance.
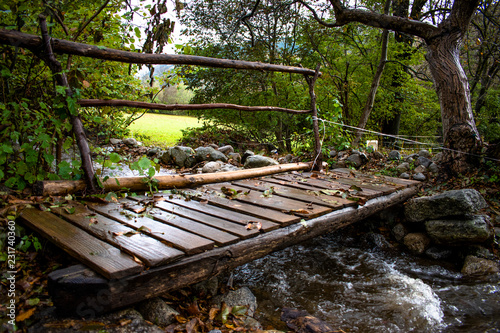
(300, 211)
(212, 313)
(25, 315)
(124, 322)
(139, 210)
(254, 224)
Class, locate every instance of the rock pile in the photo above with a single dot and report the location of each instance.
(446, 226)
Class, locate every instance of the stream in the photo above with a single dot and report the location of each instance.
(357, 288)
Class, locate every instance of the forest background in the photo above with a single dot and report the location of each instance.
(35, 124)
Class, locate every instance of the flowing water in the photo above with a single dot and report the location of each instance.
(361, 289)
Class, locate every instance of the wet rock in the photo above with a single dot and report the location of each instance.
(211, 167)
(403, 167)
(423, 161)
(419, 176)
(438, 253)
(479, 266)
(459, 231)
(376, 240)
(399, 231)
(209, 154)
(258, 161)
(131, 142)
(246, 155)
(239, 297)
(450, 203)
(157, 311)
(417, 242)
(115, 141)
(235, 157)
(226, 149)
(302, 322)
(404, 175)
(394, 155)
(424, 153)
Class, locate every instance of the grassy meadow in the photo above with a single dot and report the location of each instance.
(161, 129)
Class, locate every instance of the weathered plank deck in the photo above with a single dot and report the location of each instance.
(141, 247)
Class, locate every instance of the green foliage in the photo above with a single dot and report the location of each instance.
(36, 132)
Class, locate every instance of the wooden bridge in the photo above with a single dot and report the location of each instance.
(141, 247)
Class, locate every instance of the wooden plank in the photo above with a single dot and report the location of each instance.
(258, 198)
(67, 286)
(149, 250)
(242, 207)
(302, 195)
(104, 258)
(362, 182)
(341, 172)
(226, 214)
(175, 237)
(326, 185)
(239, 230)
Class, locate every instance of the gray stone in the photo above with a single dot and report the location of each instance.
(450, 203)
(228, 167)
(377, 155)
(423, 161)
(343, 154)
(399, 231)
(332, 153)
(425, 153)
(373, 239)
(434, 168)
(235, 157)
(251, 324)
(153, 151)
(438, 253)
(131, 142)
(133, 319)
(214, 146)
(479, 266)
(420, 169)
(157, 311)
(409, 159)
(419, 176)
(438, 158)
(258, 161)
(456, 232)
(403, 167)
(115, 141)
(209, 154)
(239, 297)
(208, 287)
(211, 167)
(226, 149)
(394, 155)
(182, 157)
(355, 160)
(404, 175)
(417, 242)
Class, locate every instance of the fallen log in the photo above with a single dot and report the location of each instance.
(63, 187)
(184, 107)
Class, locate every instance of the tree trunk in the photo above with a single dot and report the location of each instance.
(460, 135)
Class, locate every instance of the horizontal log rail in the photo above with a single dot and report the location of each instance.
(184, 107)
(63, 187)
(34, 43)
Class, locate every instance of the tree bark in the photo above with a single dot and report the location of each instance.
(155, 106)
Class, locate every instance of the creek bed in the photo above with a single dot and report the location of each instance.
(357, 288)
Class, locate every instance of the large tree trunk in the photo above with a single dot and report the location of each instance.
(460, 135)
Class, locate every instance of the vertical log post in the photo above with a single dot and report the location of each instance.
(76, 122)
(318, 156)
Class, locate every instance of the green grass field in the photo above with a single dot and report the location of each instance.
(163, 130)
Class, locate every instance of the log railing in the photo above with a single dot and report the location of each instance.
(60, 46)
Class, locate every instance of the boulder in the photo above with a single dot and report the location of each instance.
(403, 167)
(404, 175)
(355, 160)
(131, 142)
(423, 161)
(399, 231)
(246, 154)
(235, 157)
(226, 149)
(239, 297)
(209, 154)
(417, 242)
(258, 161)
(475, 229)
(420, 169)
(434, 168)
(450, 203)
(419, 176)
(377, 155)
(424, 153)
(394, 155)
(211, 167)
(182, 157)
(479, 266)
(332, 153)
(115, 141)
(157, 311)
(214, 146)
